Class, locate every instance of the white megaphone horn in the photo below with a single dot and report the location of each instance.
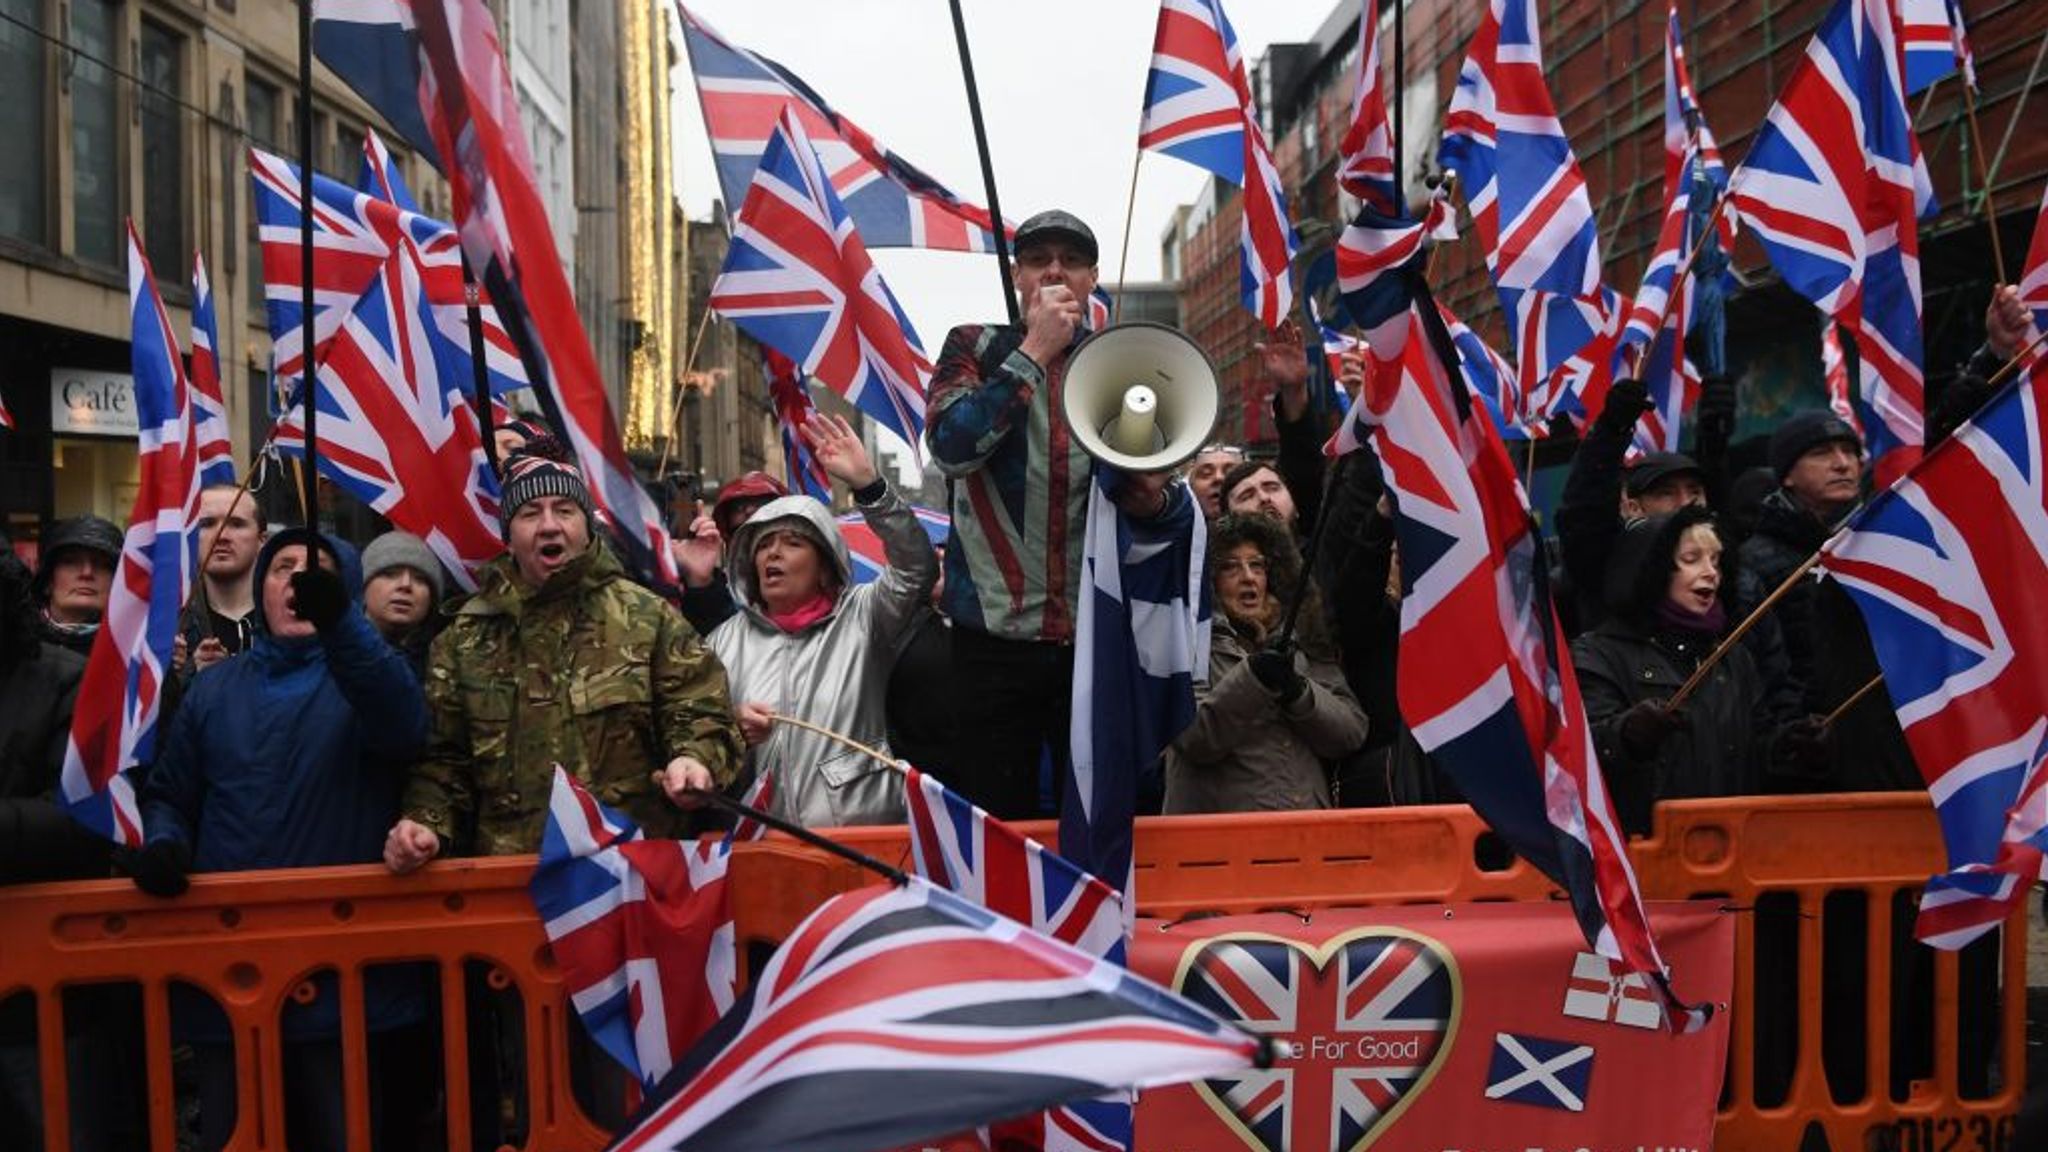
(1140, 396)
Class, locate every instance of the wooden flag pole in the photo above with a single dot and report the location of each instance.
(866, 749)
(1123, 262)
(988, 171)
(2013, 365)
(675, 410)
(1733, 638)
(1828, 721)
(1983, 178)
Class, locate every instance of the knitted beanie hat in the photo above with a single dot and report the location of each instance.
(540, 468)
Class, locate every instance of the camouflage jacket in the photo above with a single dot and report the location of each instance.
(589, 670)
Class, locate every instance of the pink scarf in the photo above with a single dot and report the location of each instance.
(803, 615)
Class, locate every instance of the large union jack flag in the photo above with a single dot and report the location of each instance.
(115, 725)
(894, 1015)
(798, 278)
(1390, 999)
(1366, 165)
(1947, 567)
(893, 203)
(1833, 186)
(1528, 199)
(209, 409)
(397, 430)
(1198, 108)
(642, 928)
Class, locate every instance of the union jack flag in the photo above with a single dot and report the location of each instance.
(1198, 108)
(897, 1014)
(961, 848)
(374, 47)
(893, 204)
(1391, 1000)
(1834, 373)
(1366, 167)
(642, 928)
(2034, 277)
(798, 279)
(1947, 566)
(396, 429)
(1833, 186)
(115, 725)
(793, 409)
(865, 548)
(210, 412)
(1100, 308)
(1495, 701)
(1528, 199)
(1935, 42)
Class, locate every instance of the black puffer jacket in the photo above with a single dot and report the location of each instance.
(38, 687)
(1632, 657)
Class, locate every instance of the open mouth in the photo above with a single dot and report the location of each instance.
(553, 551)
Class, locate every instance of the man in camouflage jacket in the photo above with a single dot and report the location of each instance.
(559, 658)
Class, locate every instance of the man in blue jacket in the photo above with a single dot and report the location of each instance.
(291, 754)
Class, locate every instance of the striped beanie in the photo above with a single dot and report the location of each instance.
(540, 468)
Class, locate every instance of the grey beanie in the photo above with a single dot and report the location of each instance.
(402, 550)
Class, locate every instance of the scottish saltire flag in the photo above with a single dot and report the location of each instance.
(892, 203)
(211, 438)
(1947, 566)
(642, 928)
(115, 725)
(1198, 108)
(791, 399)
(1486, 682)
(397, 430)
(2034, 277)
(1140, 643)
(1528, 199)
(968, 852)
(1934, 43)
(897, 1014)
(865, 548)
(798, 279)
(1834, 186)
(1366, 167)
(373, 46)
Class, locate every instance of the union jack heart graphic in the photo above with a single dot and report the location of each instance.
(1361, 1022)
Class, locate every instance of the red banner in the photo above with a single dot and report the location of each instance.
(1465, 1028)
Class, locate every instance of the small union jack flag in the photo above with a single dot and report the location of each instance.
(1935, 43)
(2034, 277)
(793, 409)
(1834, 186)
(1366, 169)
(1834, 374)
(210, 410)
(865, 548)
(798, 279)
(115, 725)
(1198, 108)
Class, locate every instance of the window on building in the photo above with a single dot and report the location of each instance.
(24, 209)
(263, 105)
(96, 138)
(163, 150)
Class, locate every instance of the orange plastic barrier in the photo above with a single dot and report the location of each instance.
(1841, 1032)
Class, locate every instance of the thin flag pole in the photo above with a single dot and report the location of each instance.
(1123, 262)
(1983, 178)
(1400, 85)
(675, 410)
(472, 298)
(309, 481)
(988, 170)
(719, 799)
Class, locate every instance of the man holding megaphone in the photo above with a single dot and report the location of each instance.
(1019, 494)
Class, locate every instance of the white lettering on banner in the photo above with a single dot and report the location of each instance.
(86, 401)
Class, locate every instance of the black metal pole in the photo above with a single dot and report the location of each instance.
(1331, 480)
(309, 486)
(988, 170)
(1400, 84)
(719, 799)
(480, 369)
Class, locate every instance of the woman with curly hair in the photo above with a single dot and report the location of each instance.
(1270, 719)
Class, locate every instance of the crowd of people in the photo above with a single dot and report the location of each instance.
(331, 706)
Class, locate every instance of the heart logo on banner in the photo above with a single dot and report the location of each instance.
(1363, 1021)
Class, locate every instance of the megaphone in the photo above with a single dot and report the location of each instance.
(1140, 396)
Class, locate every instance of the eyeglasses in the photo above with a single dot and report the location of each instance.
(1038, 257)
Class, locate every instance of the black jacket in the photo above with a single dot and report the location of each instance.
(38, 841)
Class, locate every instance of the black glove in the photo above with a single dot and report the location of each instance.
(1273, 668)
(1645, 727)
(1802, 749)
(318, 597)
(160, 867)
(1626, 402)
(1717, 402)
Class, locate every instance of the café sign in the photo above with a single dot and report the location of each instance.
(89, 402)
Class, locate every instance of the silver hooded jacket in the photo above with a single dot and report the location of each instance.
(833, 672)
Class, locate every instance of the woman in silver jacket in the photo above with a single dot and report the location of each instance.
(809, 644)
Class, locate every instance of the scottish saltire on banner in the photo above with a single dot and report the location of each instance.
(641, 928)
(1366, 167)
(1946, 567)
(115, 725)
(2033, 284)
(397, 430)
(892, 203)
(1198, 108)
(791, 399)
(211, 438)
(968, 852)
(798, 279)
(897, 1014)
(1528, 199)
(1140, 643)
(1834, 186)
(865, 548)
(1495, 701)
(373, 46)
(1934, 43)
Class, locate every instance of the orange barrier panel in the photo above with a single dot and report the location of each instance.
(1822, 886)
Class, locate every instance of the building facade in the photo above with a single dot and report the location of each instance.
(724, 421)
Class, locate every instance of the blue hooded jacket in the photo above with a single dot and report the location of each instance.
(292, 754)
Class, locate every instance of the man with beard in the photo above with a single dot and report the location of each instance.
(220, 619)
